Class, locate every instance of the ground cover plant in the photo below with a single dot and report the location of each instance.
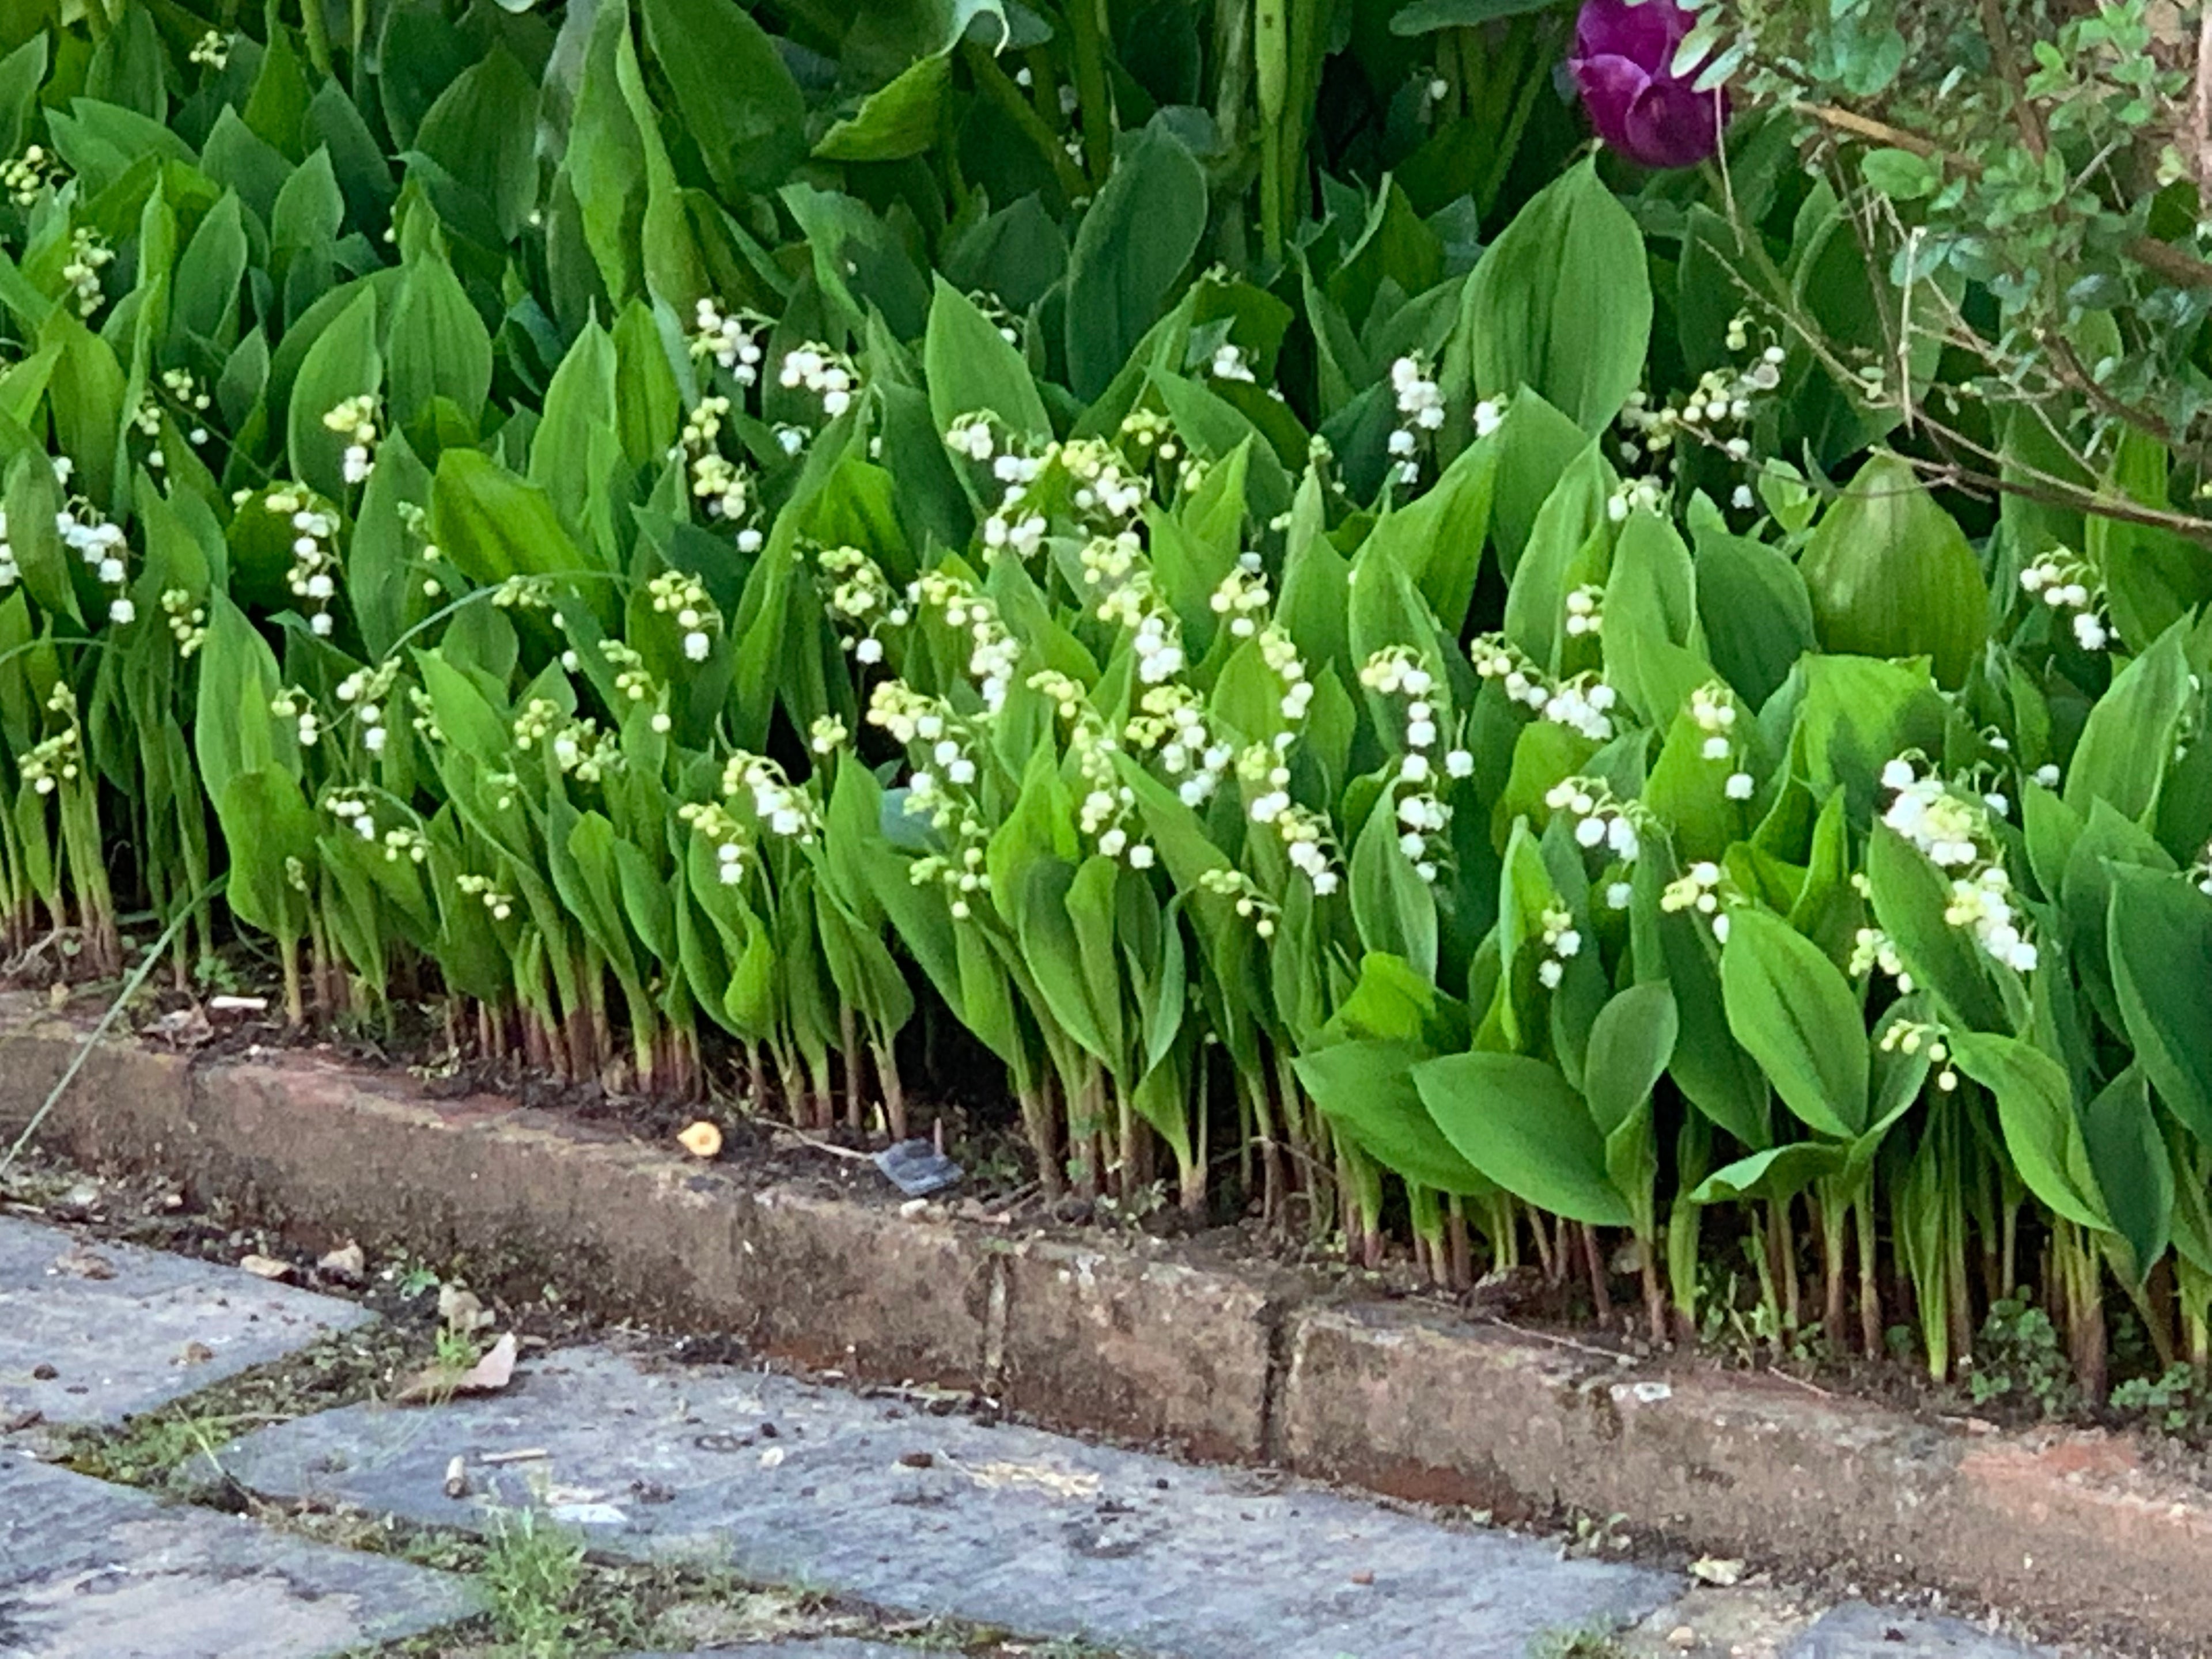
(1219, 572)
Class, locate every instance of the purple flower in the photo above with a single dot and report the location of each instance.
(1624, 64)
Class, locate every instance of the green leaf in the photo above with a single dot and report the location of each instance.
(204, 297)
(1516, 1120)
(34, 498)
(2160, 954)
(1630, 1043)
(1910, 896)
(1903, 175)
(895, 121)
(1757, 615)
(858, 260)
(1537, 446)
(86, 394)
(1395, 909)
(270, 830)
(1134, 242)
(1793, 1010)
(1857, 715)
(2035, 1108)
(2128, 743)
(438, 346)
(481, 132)
(343, 362)
(577, 449)
(1561, 303)
(734, 95)
(493, 526)
(1891, 574)
(1438, 540)
(1365, 1088)
(971, 369)
(1775, 1173)
(2129, 1157)
(604, 165)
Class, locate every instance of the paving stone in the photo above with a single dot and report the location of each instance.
(1856, 1630)
(146, 1328)
(88, 1570)
(789, 1482)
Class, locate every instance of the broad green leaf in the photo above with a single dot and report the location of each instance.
(577, 448)
(1771, 1175)
(2160, 954)
(1516, 1120)
(895, 121)
(1857, 715)
(1630, 1045)
(734, 93)
(1891, 574)
(2035, 1107)
(481, 132)
(1758, 616)
(1131, 250)
(437, 347)
(1437, 539)
(343, 363)
(86, 394)
(1793, 1010)
(604, 165)
(972, 370)
(1395, 909)
(270, 830)
(2128, 743)
(493, 526)
(1365, 1088)
(203, 300)
(1537, 444)
(2133, 1171)
(1561, 303)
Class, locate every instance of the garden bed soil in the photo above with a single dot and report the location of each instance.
(1204, 1344)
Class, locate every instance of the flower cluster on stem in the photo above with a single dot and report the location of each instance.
(2073, 589)
(1581, 702)
(1952, 829)
(354, 419)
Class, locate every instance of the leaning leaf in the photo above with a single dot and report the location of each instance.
(1516, 1120)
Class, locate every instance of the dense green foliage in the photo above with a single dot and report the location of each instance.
(1377, 666)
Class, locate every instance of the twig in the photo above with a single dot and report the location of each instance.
(831, 1147)
(2176, 266)
(1809, 1387)
(1612, 1357)
(2007, 65)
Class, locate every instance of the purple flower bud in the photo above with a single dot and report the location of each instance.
(1624, 64)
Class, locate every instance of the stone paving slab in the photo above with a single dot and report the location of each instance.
(88, 1570)
(114, 1329)
(788, 1481)
(1856, 1630)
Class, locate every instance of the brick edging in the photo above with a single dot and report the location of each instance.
(1227, 1361)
